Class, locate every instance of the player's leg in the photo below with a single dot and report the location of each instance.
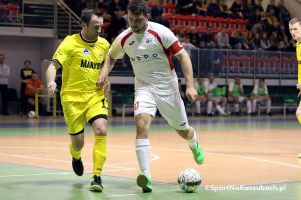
(173, 110)
(298, 115)
(97, 114)
(268, 104)
(144, 110)
(248, 103)
(254, 103)
(73, 114)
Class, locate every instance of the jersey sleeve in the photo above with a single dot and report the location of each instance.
(171, 42)
(116, 51)
(63, 51)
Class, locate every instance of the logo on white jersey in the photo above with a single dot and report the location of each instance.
(131, 42)
(85, 52)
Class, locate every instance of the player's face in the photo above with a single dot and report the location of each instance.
(295, 30)
(138, 23)
(93, 29)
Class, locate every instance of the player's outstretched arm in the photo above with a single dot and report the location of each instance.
(186, 66)
(105, 70)
(50, 76)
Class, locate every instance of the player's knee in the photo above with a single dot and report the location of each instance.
(100, 130)
(78, 146)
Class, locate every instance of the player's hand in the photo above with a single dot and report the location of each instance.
(51, 89)
(299, 94)
(298, 86)
(191, 94)
(101, 81)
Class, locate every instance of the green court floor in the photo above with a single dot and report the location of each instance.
(23, 182)
(32, 183)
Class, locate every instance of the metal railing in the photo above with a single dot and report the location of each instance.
(229, 63)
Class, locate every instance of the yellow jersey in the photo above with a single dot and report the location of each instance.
(81, 62)
(298, 52)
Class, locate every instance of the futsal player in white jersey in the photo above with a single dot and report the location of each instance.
(150, 47)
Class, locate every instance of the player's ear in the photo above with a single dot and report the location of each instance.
(148, 16)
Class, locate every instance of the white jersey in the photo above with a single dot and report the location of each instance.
(150, 54)
(209, 87)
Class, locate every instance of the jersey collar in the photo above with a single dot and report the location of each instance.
(80, 34)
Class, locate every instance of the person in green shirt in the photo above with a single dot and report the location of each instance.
(261, 94)
(202, 97)
(236, 95)
(217, 95)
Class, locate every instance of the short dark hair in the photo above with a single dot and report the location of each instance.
(295, 20)
(138, 6)
(27, 61)
(87, 15)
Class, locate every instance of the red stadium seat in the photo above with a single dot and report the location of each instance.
(190, 20)
(169, 8)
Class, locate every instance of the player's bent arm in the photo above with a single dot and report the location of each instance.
(105, 70)
(50, 76)
(186, 67)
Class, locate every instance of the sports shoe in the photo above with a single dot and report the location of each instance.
(144, 182)
(77, 166)
(198, 154)
(96, 184)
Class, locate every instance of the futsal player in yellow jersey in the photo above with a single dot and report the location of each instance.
(81, 57)
(295, 30)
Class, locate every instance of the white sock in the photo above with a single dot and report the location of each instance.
(143, 155)
(254, 105)
(268, 106)
(192, 142)
(209, 107)
(198, 107)
(236, 107)
(220, 109)
(249, 107)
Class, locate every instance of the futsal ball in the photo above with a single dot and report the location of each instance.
(189, 180)
(31, 114)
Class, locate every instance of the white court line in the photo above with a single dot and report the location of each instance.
(241, 157)
(45, 174)
(153, 156)
(120, 195)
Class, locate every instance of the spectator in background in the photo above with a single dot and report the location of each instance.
(157, 10)
(264, 42)
(223, 7)
(184, 7)
(237, 9)
(117, 25)
(236, 95)
(202, 97)
(222, 39)
(261, 94)
(213, 9)
(25, 74)
(206, 37)
(213, 94)
(4, 75)
(33, 86)
(248, 10)
(284, 15)
(201, 7)
(272, 7)
(258, 6)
